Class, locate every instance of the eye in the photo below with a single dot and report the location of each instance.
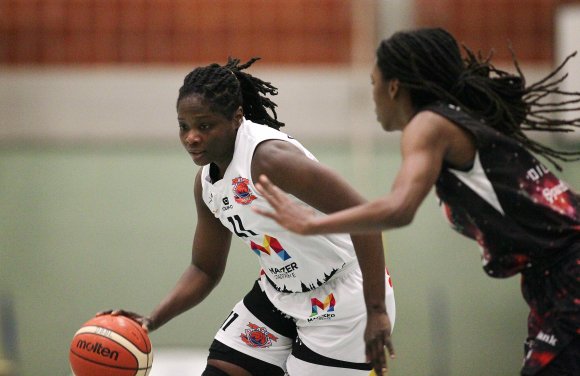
(182, 126)
(204, 126)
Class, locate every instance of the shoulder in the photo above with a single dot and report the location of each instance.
(272, 154)
(428, 126)
(430, 130)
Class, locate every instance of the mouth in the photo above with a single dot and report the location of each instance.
(196, 154)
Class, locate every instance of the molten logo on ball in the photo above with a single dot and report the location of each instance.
(97, 348)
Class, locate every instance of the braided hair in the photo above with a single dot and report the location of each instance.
(226, 88)
(429, 64)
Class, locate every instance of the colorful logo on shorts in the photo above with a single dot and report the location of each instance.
(257, 336)
(327, 306)
(270, 243)
(242, 192)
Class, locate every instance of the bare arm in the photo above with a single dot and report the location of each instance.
(210, 249)
(426, 141)
(320, 187)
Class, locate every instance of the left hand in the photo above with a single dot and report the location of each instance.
(287, 213)
(377, 337)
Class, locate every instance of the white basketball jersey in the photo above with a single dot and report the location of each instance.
(293, 263)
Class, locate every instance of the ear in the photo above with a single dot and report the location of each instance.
(238, 116)
(393, 88)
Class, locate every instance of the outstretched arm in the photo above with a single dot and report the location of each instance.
(425, 143)
(326, 191)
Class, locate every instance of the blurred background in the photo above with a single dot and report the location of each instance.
(96, 202)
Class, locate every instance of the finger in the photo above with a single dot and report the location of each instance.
(278, 193)
(381, 362)
(265, 181)
(264, 192)
(260, 188)
(390, 348)
(389, 344)
(376, 353)
(270, 188)
(264, 184)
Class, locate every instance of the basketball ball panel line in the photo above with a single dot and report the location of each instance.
(147, 343)
(143, 335)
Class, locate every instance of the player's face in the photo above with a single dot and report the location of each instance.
(206, 135)
(383, 100)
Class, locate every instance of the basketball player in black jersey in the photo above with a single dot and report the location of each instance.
(462, 123)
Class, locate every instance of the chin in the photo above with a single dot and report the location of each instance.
(199, 162)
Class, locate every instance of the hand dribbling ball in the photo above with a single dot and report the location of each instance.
(111, 346)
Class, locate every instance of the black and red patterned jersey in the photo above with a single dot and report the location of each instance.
(518, 211)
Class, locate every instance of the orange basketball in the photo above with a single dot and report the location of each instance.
(111, 346)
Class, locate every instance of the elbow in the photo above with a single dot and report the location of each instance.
(396, 215)
(215, 277)
(210, 276)
(401, 219)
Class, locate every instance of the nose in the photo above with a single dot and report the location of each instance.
(191, 137)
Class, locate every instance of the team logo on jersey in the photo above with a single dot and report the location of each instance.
(270, 243)
(545, 188)
(257, 336)
(327, 305)
(242, 192)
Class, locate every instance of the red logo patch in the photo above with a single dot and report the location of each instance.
(257, 336)
(242, 192)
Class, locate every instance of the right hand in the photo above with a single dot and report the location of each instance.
(378, 337)
(145, 322)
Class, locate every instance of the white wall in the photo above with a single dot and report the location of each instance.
(136, 104)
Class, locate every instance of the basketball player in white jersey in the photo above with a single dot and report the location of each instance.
(322, 305)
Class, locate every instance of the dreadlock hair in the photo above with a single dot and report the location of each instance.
(226, 88)
(429, 64)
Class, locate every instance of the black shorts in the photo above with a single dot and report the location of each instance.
(553, 295)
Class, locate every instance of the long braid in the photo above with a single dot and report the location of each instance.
(254, 91)
(226, 88)
(429, 63)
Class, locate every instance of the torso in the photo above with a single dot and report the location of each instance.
(292, 263)
(520, 213)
